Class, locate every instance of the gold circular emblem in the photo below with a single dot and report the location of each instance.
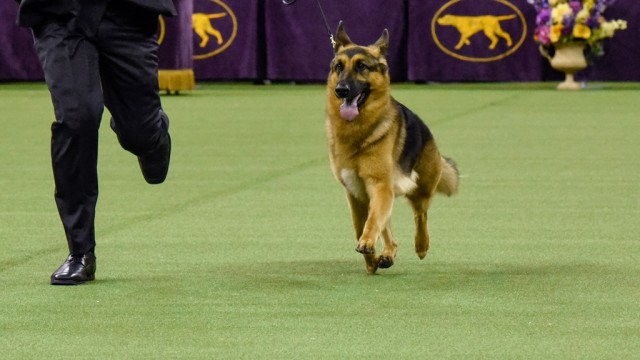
(468, 26)
(163, 29)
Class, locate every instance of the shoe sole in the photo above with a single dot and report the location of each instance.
(70, 281)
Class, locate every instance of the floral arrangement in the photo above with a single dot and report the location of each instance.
(570, 21)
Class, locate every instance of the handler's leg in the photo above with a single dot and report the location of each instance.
(70, 66)
(129, 69)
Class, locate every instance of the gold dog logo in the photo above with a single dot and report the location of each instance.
(215, 27)
(203, 28)
(454, 15)
(468, 26)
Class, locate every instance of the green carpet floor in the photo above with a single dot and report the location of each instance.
(247, 251)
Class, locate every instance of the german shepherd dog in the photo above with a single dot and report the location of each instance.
(379, 149)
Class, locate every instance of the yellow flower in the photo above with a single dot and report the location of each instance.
(582, 16)
(608, 28)
(621, 24)
(558, 12)
(581, 31)
(588, 5)
(553, 3)
(556, 33)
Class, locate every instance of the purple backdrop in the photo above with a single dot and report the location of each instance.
(298, 46)
(225, 39)
(263, 39)
(18, 59)
(622, 52)
(438, 52)
(175, 51)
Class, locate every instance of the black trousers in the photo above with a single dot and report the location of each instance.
(114, 67)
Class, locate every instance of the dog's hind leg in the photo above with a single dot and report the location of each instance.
(204, 38)
(429, 169)
(217, 34)
(388, 255)
(504, 35)
(420, 206)
(359, 213)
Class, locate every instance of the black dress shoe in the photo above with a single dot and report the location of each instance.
(155, 164)
(77, 269)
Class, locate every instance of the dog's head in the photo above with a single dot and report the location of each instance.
(446, 20)
(359, 74)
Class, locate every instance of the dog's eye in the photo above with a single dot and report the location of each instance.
(360, 66)
(339, 67)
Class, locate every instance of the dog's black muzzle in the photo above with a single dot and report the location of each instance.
(342, 91)
(349, 90)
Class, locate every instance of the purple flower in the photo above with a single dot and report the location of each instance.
(539, 4)
(593, 22)
(543, 17)
(575, 5)
(542, 35)
(567, 23)
(599, 7)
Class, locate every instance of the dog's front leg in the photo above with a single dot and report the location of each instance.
(359, 214)
(380, 205)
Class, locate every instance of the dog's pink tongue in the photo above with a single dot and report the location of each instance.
(349, 111)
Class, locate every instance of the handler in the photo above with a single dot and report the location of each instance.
(97, 53)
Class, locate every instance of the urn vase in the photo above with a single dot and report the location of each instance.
(569, 59)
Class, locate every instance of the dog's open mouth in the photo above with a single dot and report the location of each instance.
(350, 108)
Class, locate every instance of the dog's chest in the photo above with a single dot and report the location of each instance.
(354, 184)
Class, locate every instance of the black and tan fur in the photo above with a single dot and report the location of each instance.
(384, 152)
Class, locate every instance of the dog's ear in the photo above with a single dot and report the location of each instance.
(342, 39)
(383, 42)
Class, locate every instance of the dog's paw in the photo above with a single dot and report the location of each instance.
(421, 248)
(371, 269)
(362, 248)
(371, 261)
(385, 262)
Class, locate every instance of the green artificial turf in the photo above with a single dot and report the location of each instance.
(247, 251)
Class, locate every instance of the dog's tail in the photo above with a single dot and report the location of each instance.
(450, 178)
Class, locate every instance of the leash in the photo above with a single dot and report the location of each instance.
(324, 17)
